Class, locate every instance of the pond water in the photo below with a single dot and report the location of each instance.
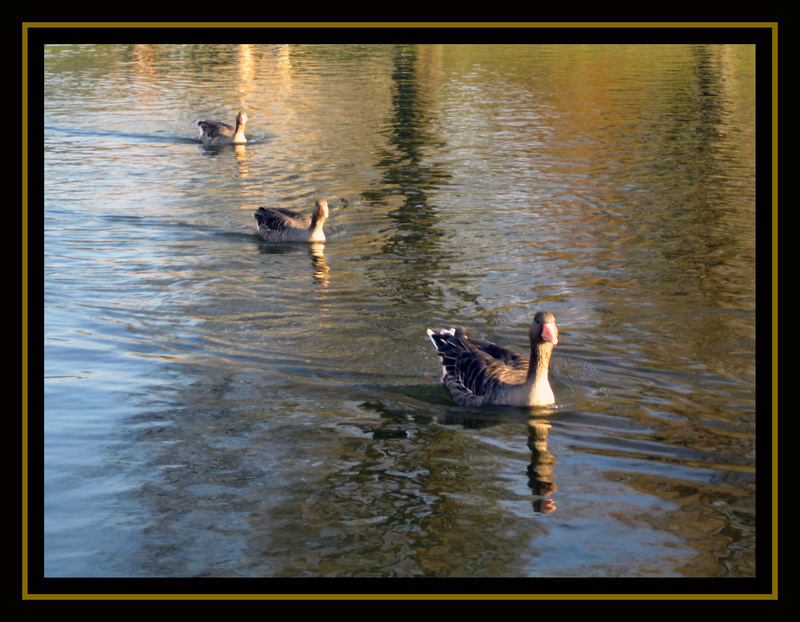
(215, 406)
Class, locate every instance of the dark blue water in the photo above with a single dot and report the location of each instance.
(219, 407)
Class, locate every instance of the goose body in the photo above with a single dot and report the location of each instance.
(480, 373)
(277, 224)
(219, 133)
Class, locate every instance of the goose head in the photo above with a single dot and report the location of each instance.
(320, 210)
(543, 328)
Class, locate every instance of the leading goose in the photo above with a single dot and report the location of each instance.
(219, 133)
(276, 224)
(480, 373)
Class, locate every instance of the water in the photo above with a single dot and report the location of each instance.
(218, 407)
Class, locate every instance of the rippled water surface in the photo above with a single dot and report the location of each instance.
(219, 407)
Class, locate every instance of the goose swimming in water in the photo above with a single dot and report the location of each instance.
(480, 373)
(277, 224)
(219, 133)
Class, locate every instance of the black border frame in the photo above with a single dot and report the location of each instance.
(763, 586)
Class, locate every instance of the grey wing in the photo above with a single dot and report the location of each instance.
(480, 373)
(212, 129)
(279, 219)
(472, 369)
(513, 361)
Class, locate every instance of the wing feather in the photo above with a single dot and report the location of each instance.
(473, 369)
(213, 129)
(280, 219)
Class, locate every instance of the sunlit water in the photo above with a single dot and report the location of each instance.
(219, 407)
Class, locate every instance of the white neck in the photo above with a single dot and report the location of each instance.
(536, 390)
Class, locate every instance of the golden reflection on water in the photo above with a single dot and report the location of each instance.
(288, 418)
(320, 264)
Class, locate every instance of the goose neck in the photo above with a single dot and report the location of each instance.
(540, 361)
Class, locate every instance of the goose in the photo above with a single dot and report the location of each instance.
(219, 133)
(480, 373)
(277, 224)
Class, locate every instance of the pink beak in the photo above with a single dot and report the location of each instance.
(550, 333)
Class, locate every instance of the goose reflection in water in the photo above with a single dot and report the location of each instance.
(540, 470)
(541, 476)
(320, 269)
(319, 264)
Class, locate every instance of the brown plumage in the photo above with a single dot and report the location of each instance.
(219, 133)
(479, 373)
(276, 224)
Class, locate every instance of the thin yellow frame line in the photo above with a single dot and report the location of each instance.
(773, 26)
(404, 596)
(477, 24)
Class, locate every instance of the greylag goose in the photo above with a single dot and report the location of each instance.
(276, 224)
(219, 133)
(479, 373)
